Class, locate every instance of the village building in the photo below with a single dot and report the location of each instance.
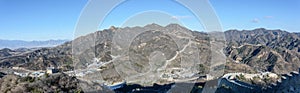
(51, 70)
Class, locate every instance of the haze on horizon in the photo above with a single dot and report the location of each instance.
(55, 19)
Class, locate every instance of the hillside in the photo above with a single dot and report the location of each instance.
(264, 50)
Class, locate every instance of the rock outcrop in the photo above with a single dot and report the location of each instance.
(46, 84)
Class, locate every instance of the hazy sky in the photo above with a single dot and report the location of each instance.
(56, 19)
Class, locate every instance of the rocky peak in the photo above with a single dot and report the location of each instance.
(112, 28)
(175, 26)
(152, 26)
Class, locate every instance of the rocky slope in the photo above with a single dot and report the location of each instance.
(40, 58)
(6, 52)
(46, 84)
(142, 53)
(264, 50)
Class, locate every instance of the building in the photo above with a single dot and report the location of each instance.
(51, 70)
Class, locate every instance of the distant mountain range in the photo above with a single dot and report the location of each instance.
(14, 44)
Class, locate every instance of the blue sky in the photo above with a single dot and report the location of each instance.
(56, 19)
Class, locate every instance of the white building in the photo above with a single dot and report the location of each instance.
(51, 70)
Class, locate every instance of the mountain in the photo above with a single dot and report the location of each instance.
(98, 45)
(37, 59)
(14, 44)
(5, 52)
(264, 50)
(249, 51)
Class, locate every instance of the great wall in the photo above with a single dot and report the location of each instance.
(288, 83)
(238, 86)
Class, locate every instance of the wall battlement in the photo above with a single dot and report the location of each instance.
(289, 83)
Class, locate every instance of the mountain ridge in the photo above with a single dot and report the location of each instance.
(15, 44)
